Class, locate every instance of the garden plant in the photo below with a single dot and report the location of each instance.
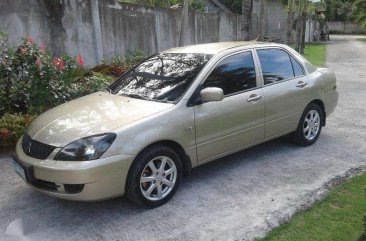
(33, 80)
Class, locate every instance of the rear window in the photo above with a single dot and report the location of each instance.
(276, 65)
(298, 71)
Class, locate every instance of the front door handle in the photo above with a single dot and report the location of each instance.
(254, 97)
(301, 84)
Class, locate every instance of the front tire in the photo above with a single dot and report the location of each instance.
(154, 177)
(310, 126)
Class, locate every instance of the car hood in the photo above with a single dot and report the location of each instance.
(90, 115)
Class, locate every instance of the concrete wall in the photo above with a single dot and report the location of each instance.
(62, 26)
(348, 28)
(101, 29)
(274, 18)
(311, 27)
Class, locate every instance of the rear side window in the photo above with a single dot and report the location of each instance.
(276, 65)
(234, 74)
(298, 70)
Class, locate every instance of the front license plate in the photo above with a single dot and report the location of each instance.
(19, 170)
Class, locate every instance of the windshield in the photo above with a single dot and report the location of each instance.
(162, 77)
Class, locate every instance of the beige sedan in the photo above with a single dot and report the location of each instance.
(176, 110)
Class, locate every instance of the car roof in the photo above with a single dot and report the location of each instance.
(218, 47)
(215, 48)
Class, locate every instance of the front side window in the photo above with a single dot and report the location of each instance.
(276, 65)
(162, 77)
(234, 74)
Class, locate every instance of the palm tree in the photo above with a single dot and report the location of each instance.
(184, 24)
(290, 19)
(303, 29)
(260, 20)
(246, 10)
(300, 26)
(298, 32)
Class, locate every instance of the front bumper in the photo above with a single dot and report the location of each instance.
(76, 180)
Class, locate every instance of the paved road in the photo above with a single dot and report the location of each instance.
(235, 198)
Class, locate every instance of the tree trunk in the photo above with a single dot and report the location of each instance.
(290, 19)
(246, 11)
(298, 33)
(184, 24)
(303, 29)
(260, 20)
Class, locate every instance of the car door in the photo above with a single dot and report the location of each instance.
(284, 90)
(236, 121)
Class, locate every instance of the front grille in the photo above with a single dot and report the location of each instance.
(35, 148)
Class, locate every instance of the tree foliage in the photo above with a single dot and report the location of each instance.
(360, 9)
(234, 5)
(346, 11)
(340, 10)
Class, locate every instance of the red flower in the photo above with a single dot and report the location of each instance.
(80, 60)
(4, 132)
(54, 62)
(58, 63)
(30, 40)
(22, 50)
(42, 47)
(38, 62)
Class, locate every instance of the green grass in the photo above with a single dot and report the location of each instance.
(314, 53)
(338, 217)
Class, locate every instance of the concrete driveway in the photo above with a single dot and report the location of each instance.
(239, 197)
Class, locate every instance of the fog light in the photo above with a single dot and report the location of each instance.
(73, 188)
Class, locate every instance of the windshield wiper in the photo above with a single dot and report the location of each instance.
(108, 90)
(136, 96)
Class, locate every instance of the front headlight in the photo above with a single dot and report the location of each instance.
(85, 149)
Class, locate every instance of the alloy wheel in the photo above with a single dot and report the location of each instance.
(311, 125)
(158, 178)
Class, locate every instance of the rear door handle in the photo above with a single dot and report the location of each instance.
(254, 97)
(301, 84)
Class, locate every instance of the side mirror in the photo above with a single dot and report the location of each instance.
(210, 94)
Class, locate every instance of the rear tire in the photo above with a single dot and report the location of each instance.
(309, 127)
(154, 177)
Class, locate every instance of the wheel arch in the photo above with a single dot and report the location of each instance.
(186, 160)
(320, 103)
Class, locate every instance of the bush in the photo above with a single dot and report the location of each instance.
(96, 81)
(117, 65)
(12, 127)
(133, 57)
(31, 81)
(110, 69)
